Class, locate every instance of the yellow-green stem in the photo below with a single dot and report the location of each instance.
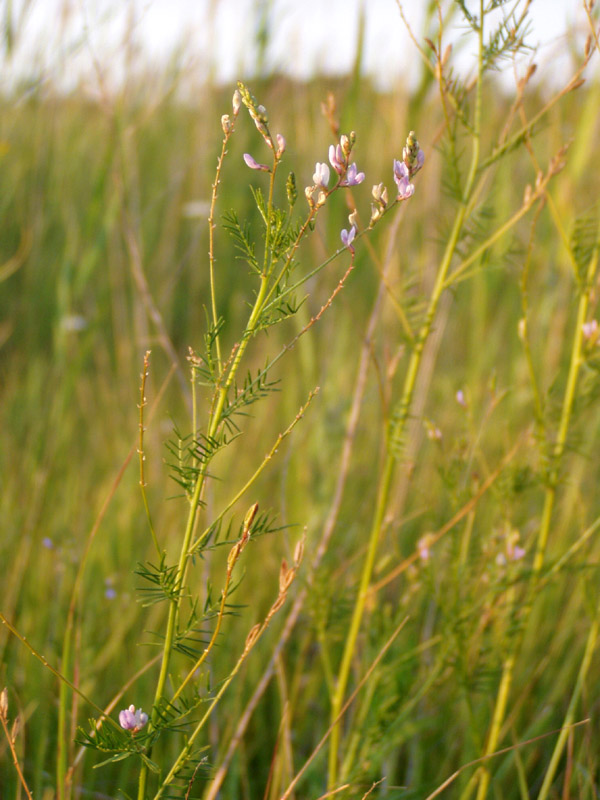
(542, 540)
(396, 434)
(215, 421)
(566, 728)
(397, 431)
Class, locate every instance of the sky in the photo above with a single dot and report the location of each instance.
(68, 41)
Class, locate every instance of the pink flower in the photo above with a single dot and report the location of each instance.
(280, 145)
(337, 159)
(402, 177)
(132, 720)
(353, 178)
(253, 164)
(321, 176)
(347, 238)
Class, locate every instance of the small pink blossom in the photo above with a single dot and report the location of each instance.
(347, 238)
(132, 720)
(352, 177)
(253, 163)
(280, 145)
(337, 159)
(321, 176)
(402, 177)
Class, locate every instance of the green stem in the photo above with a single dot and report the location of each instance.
(570, 715)
(549, 499)
(215, 421)
(397, 430)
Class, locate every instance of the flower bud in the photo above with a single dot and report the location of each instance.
(345, 144)
(280, 145)
(291, 190)
(376, 212)
(309, 192)
(353, 218)
(226, 124)
(236, 102)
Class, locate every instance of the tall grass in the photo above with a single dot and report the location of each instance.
(340, 537)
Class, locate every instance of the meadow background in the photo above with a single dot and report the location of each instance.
(104, 198)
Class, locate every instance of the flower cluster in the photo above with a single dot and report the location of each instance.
(347, 172)
(261, 120)
(413, 159)
(132, 720)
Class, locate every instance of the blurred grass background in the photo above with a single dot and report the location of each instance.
(76, 178)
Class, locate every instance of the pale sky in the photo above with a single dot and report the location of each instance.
(61, 39)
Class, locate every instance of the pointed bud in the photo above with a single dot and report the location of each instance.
(309, 192)
(345, 145)
(236, 102)
(291, 190)
(299, 552)
(226, 124)
(4, 702)
(376, 212)
(353, 218)
(280, 145)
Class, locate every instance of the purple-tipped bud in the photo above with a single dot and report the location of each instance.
(132, 720)
(321, 176)
(412, 155)
(337, 159)
(353, 178)
(253, 163)
(347, 238)
(402, 177)
(280, 145)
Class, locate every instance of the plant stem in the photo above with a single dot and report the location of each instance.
(544, 530)
(396, 435)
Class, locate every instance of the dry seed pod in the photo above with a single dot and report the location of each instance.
(277, 604)
(4, 702)
(299, 552)
(252, 636)
(283, 573)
